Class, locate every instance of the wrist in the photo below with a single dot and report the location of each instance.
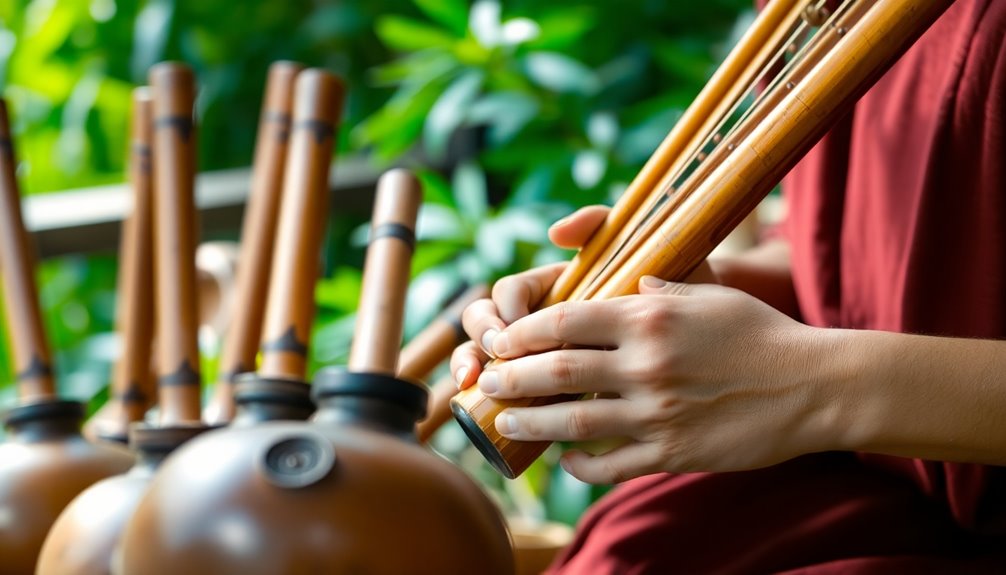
(834, 371)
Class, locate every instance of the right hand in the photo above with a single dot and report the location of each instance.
(513, 297)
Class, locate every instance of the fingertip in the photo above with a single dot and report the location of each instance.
(650, 284)
(461, 376)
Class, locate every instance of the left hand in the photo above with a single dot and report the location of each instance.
(707, 378)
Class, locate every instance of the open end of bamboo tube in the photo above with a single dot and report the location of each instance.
(318, 98)
(173, 88)
(32, 358)
(257, 238)
(379, 319)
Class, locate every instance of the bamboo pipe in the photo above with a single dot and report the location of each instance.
(672, 146)
(437, 341)
(642, 217)
(734, 188)
(133, 384)
(318, 97)
(379, 319)
(431, 347)
(173, 88)
(438, 408)
(32, 358)
(241, 343)
(819, 48)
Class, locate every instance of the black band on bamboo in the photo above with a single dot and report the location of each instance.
(182, 123)
(184, 375)
(35, 368)
(287, 342)
(319, 129)
(275, 117)
(393, 230)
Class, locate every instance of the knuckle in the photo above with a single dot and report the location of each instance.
(579, 424)
(563, 373)
(654, 320)
(561, 322)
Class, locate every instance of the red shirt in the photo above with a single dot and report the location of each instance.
(898, 218)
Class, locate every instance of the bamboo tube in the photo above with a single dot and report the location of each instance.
(378, 333)
(173, 88)
(819, 48)
(428, 349)
(640, 220)
(438, 410)
(671, 148)
(32, 358)
(133, 384)
(257, 236)
(735, 187)
(318, 97)
(434, 344)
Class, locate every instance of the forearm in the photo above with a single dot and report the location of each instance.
(762, 271)
(917, 396)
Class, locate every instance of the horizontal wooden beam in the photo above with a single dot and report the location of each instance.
(88, 220)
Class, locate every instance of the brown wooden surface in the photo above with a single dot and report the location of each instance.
(379, 318)
(173, 88)
(258, 234)
(318, 98)
(434, 344)
(32, 358)
(438, 410)
(742, 180)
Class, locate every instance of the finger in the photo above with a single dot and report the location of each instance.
(582, 323)
(703, 274)
(558, 372)
(567, 421)
(482, 323)
(573, 231)
(466, 364)
(515, 296)
(620, 464)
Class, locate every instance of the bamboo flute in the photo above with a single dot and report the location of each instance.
(133, 384)
(318, 97)
(241, 342)
(173, 88)
(771, 99)
(735, 187)
(673, 146)
(665, 191)
(32, 357)
(380, 316)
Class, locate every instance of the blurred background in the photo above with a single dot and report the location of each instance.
(514, 113)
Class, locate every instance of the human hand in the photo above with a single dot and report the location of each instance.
(707, 378)
(514, 296)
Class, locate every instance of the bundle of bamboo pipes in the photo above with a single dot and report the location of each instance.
(708, 174)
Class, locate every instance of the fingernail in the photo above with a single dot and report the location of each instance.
(564, 463)
(487, 340)
(653, 282)
(489, 382)
(501, 345)
(561, 222)
(460, 375)
(506, 424)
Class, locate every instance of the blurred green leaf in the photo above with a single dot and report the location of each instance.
(561, 73)
(405, 34)
(470, 193)
(452, 14)
(450, 111)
